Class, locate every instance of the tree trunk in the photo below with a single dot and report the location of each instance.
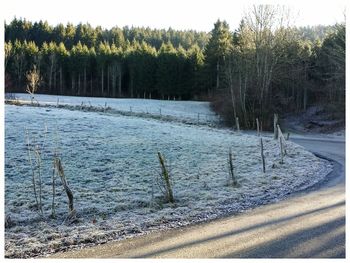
(61, 81)
(55, 81)
(233, 97)
(217, 75)
(50, 77)
(73, 85)
(91, 84)
(305, 89)
(114, 79)
(131, 87)
(85, 88)
(114, 86)
(244, 107)
(79, 84)
(102, 75)
(119, 81)
(108, 80)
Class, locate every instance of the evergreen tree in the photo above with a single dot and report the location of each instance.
(219, 46)
(62, 57)
(102, 55)
(166, 70)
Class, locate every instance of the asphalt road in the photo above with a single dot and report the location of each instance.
(309, 224)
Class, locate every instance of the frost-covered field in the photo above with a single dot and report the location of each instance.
(111, 164)
(190, 111)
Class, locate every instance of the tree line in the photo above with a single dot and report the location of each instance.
(86, 61)
(263, 66)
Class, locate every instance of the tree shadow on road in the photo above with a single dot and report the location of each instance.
(314, 241)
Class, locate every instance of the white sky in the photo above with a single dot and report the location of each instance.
(178, 14)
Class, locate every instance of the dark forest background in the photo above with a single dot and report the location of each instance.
(262, 67)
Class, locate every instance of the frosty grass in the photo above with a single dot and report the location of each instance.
(111, 165)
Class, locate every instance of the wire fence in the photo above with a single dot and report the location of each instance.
(152, 111)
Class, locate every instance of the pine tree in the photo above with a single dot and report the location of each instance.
(217, 49)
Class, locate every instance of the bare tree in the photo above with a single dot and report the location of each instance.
(33, 81)
(269, 27)
(229, 72)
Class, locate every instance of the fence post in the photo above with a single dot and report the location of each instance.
(282, 141)
(237, 124)
(281, 147)
(262, 153)
(275, 131)
(230, 162)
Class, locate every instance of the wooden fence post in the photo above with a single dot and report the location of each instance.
(262, 153)
(237, 124)
(275, 121)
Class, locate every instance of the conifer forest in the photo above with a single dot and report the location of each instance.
(262, 67)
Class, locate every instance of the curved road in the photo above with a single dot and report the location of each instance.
(307, 224)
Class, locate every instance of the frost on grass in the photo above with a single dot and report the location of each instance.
(197, 112)
(111, 165)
